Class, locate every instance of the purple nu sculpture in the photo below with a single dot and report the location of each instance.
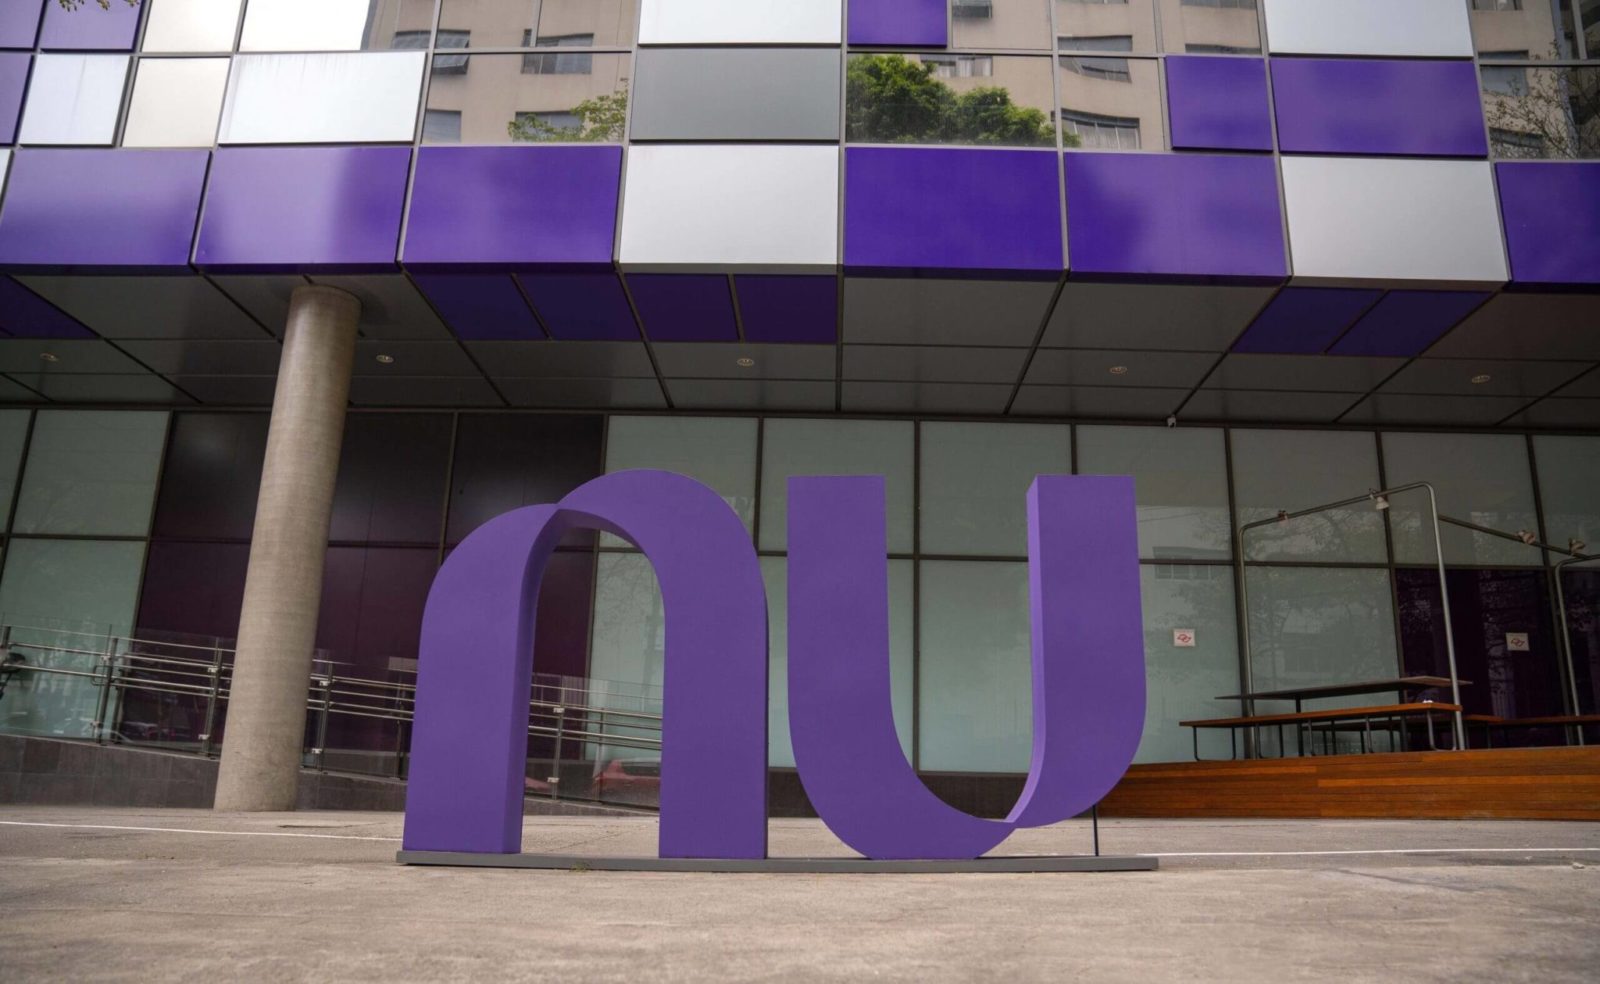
(469, 744)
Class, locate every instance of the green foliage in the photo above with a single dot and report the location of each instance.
(601, 119)
(892, 99)
(104, 4)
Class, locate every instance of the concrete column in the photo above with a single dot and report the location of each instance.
(283, 589)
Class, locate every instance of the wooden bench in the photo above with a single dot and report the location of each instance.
(1564, 721)
(1303, 720)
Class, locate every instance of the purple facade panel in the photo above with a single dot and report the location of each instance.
(89, 27)
(1160, 215)
(942, 209)
(24, 314)
(901, 23)
(480, 306)
(1366, 106)
(1406, 322)
(1551, 213)
(684, 307)
(1218, 103)
(582, 306)
(19, 22)
(514, 206)
(101, 209)
(797, 310)
(1305, 320)
(14, 67)
(286, 209)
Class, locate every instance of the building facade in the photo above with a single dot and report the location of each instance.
(1260, 255)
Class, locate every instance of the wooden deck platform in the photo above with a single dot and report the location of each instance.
(1499, 784)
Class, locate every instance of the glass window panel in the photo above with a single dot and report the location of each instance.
(371, 611)
(391, 478)
(975, 480)
(74, 100)
(64, 595)
(1522, 29)
(1288, 471)
(1315, 626)
(775, 572)
(535, 98)
(629, 623)
(1182, 682)
(13, 436)
(212, 475)
(1542, 112)
(526, 23)
(1480, 478)
(1181, 483)
(1111, 103)
(995, 24)
(1219, 27)
(176, 102)
(1085, 26)
(719, 452)
(975, 679)
(334, 25)
(323, 98)
(191, 25)
(91, 473)
(491, 474)
(1569, 490)
(949, 98)
(836, 447)
(193, 589)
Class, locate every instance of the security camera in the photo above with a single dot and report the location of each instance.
(1172, 421)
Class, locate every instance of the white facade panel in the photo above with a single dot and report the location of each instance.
(323, 98)
(191, 25)
(5, 167)
(740, 22)
(731, 205)
(1370, 218)
(305, 25)
(1433, 28)
(74, 100)
(176, 102)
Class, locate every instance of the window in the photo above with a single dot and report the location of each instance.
(441, 126)
(1106, 42)
(1225, 4)
(562, 64)
(1102, 132)
(960, 66)
(451, 64)
(1111, 69)
(1515, 144)
(1106, 3)
(972, 9)
(1220, 49)
(1489, 4)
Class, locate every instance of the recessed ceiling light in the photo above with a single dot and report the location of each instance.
(386, 360)
(49, 357)
(1481, 378)
(747, 363)
(1119, 370)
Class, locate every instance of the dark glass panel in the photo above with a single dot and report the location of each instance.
(1582, 589)
(211, 476)
(391, 478)
(504, 461)
(192, 589)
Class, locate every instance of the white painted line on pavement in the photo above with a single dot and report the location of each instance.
(1394, 850)
(181, 830)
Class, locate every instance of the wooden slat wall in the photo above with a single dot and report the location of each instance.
(1502, 784)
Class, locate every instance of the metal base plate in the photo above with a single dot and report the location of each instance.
(836, 866)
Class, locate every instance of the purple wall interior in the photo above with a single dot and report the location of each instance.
(518, 207)
(19, 22)
(304, 209)
(926, 210)
(1365, 106)
(684, 307)
(491, 472)
(24, 314)
(1218, 103)
(1551, 214)
(111, 210)
(89, 27)
(1305, 320)
(900, 23)
(1160, 215)
(777, 308)
(582, 306)
(14, 67)
(1406, 322)
(480, 306)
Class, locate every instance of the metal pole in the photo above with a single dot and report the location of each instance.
(555, 766)
(1449, 633)
(207, 743)
(1566, 637)
(1248, 669)
(109, 661)
(321, 751)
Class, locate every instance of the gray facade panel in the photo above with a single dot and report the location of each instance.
(737, 94)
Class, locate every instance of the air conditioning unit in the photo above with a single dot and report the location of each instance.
(973, 9)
